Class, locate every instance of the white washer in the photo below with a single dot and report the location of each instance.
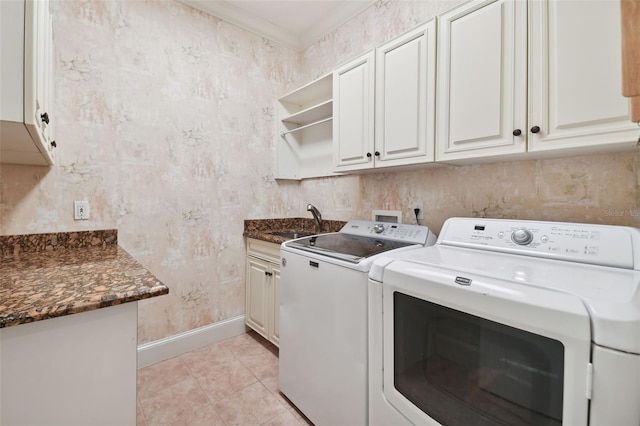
(323, 316)
(509, 322)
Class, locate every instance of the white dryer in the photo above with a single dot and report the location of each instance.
(323, 364)
(508, 322)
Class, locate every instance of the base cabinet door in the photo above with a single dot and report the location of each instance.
(262, 298)
(256, 298)
(275, 330)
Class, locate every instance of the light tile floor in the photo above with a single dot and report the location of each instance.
(232, 382)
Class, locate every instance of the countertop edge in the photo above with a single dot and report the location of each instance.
(33, 285)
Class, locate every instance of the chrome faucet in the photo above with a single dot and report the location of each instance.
(317, 217)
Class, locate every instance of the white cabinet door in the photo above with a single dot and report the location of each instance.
(353, 114)
(575, 76)
(405, 99)
(262, 297)
(26, 82)
(257, 309)
(482, 86)
(275, 332)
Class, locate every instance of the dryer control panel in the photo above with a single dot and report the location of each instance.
(605, 245)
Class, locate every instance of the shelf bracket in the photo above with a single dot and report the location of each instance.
(283, 134)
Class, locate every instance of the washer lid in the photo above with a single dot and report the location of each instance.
(351, 248)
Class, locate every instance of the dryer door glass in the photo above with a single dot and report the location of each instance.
(463, 369)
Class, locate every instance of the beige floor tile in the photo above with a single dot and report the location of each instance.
(232, 382)
(254, 405)
(224, 379)
(174, 402)
(271, 383)
(261, 363)
(207, 357)
(248, 343)
(140, 419)
(285, 418)
(205, 416)
(160, 376)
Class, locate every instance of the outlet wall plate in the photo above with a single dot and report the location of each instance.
(81, 210)
(392, 216)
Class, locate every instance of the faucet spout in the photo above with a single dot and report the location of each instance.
(317, 217)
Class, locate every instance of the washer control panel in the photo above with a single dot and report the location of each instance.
(594, 244)
(416, 234)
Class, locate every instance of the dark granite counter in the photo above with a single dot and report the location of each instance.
(45, 276)
(261, 229)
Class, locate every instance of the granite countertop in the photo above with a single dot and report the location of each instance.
(45, 276)
(260, 228)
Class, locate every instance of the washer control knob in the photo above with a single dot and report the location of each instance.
(522, 237)
(378, 228)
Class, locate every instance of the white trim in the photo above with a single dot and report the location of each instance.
(178, 344)
(282, 31)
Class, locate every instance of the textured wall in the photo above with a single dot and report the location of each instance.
(165, 123)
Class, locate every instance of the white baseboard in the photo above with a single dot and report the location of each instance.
(178, 344)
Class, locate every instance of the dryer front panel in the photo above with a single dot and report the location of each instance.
(462, 350)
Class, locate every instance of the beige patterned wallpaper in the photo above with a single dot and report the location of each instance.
(165, 123)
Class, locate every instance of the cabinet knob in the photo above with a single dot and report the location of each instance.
(517, 132)
(535, 129)
(45, 117)
(377, 153)
(368, 155)
(54, 144)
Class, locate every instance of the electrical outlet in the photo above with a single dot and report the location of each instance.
(81, 210)
(417, 205)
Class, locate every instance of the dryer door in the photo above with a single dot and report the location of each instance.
(464, 349)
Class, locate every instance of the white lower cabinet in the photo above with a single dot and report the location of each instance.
(77, 369)
(384, 104)
(530, 79)
(262, 310)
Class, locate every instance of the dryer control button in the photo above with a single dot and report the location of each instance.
(522, 237)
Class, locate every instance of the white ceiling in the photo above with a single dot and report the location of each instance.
(293, 23)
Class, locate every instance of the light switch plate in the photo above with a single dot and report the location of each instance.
(81, 210)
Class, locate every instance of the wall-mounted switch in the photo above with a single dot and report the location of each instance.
(81, 210)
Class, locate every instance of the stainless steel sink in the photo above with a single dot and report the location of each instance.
(291, 234)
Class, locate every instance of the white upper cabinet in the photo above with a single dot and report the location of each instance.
(26, 83)
(353, 114)
(575, 77)
(405, 99)
(384, 114)
(482, 84)
(491, 106)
